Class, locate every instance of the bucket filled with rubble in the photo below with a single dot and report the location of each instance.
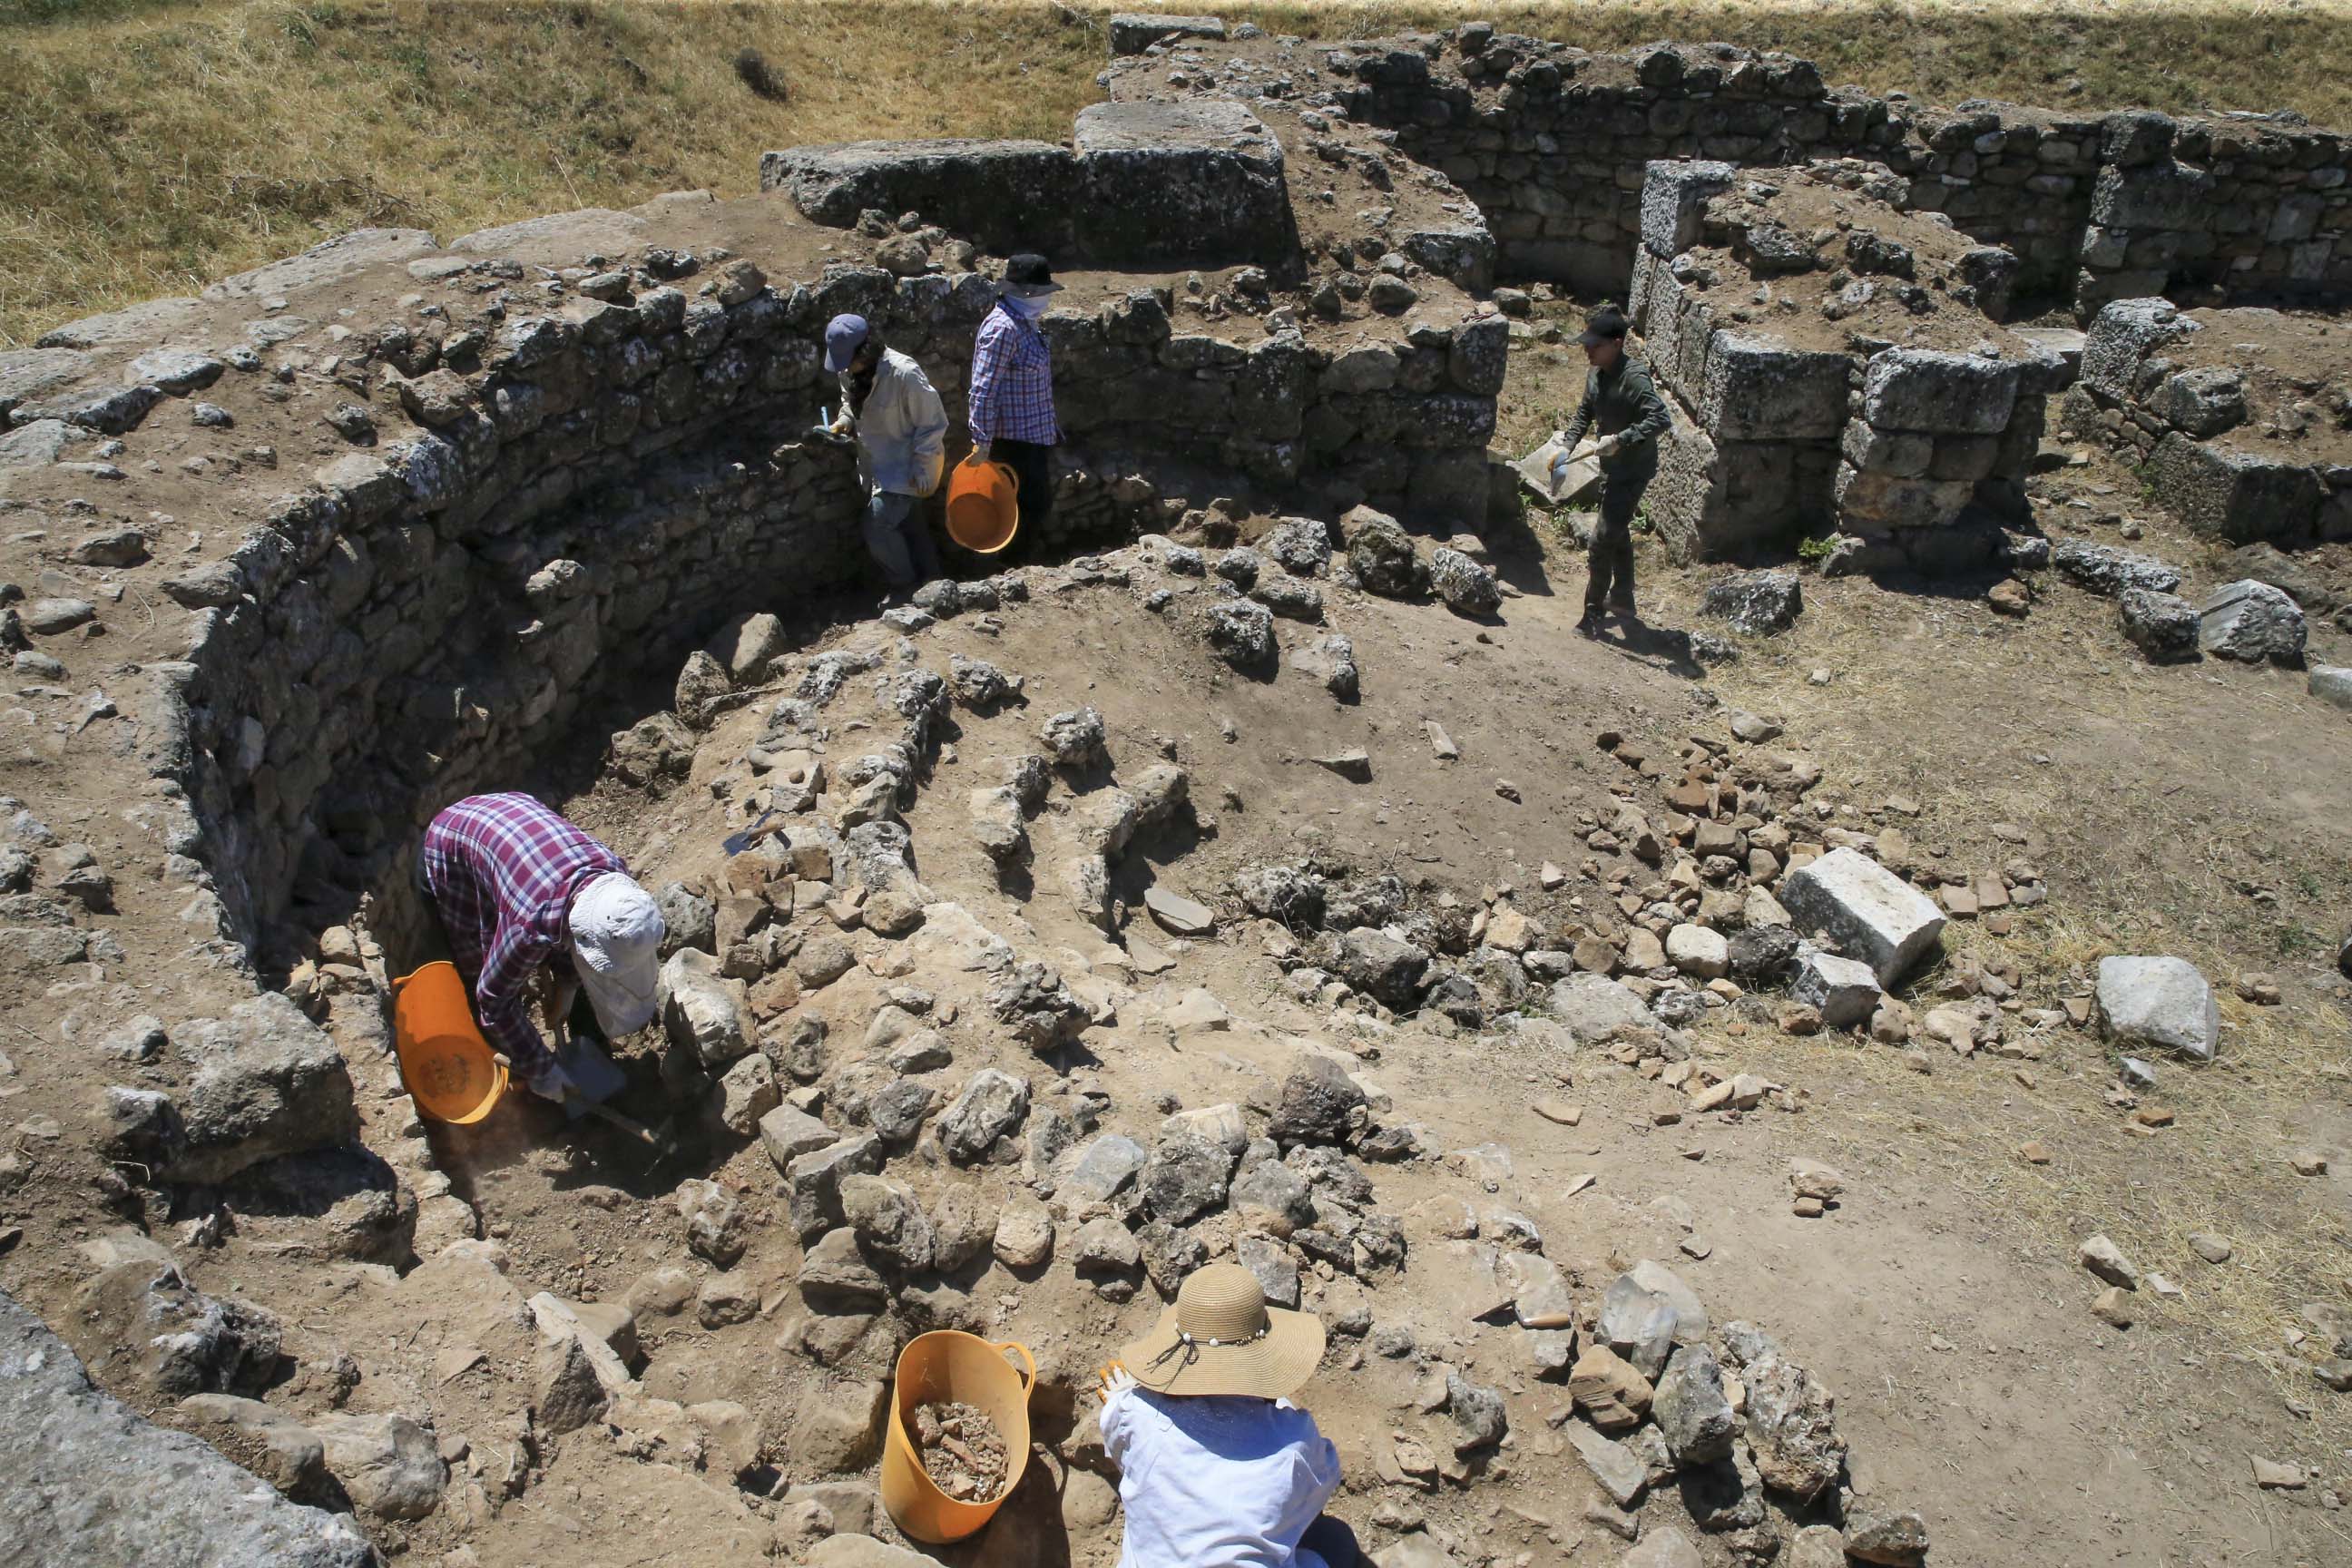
(959, 1434)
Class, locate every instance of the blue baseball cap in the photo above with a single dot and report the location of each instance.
(843, 336)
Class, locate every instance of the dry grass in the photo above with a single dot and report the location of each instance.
(156, 146)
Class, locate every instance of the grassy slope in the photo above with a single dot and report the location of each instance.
(155, 144)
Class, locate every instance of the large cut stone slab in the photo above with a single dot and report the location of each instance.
(2159, 1002)
(987, 190)
(329, 261)
(1866, 910)
(1759, 388)
(90, 1482)
(1928, 389)
(1843, 991)
(1674, 199)
(2120, 338)
(2252, 622)
(1132, 32)
(2238, 493)
(1198, 178)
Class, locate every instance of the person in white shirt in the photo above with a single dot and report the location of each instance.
(902, 436)
(1217, 1468)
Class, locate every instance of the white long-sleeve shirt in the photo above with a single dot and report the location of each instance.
(1209, 1481)
(902, 431)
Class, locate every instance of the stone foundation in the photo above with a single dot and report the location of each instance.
(2225, 445)
(572, 488)
(1771, 301)
(1550, 142)
(1148, 182)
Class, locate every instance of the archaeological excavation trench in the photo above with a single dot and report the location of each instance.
(1019, 959)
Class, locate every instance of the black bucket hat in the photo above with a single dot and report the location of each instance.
(1027, 277)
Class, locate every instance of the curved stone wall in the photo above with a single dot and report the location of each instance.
(570, 496)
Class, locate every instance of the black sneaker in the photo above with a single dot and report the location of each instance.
(1590, 625)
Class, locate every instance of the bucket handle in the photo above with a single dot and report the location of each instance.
(1029, 1377)
(971, 460)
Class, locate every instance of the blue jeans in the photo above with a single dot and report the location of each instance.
(901, 546)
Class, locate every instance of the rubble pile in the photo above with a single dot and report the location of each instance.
(962, 1451)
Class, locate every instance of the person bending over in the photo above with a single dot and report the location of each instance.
(1217, 1468)
(533, 905)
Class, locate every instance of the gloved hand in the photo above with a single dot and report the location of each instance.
(550, 1082)
(1608, 443)
(1116, 1380)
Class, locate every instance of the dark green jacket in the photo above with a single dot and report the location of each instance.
(1621, 402)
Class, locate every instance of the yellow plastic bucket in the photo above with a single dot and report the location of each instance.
(984, 505)
(947, 1365)
(449, 1068)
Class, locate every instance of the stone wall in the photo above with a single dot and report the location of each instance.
(1147, 183)
(1550, 141)
(592, 491)
(2184, 421)
(1828, 366)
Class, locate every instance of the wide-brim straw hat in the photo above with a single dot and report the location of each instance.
(1222, 1338)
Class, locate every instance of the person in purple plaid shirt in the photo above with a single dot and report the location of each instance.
(1008, 401)
(531, 901)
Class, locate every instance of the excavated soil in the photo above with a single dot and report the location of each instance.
(2296, 367)
(1822, 309)
(2204, 811)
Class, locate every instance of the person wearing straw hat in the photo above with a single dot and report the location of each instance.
(1008, 401)
(901, 427)
(1217, 1468)
(533, 906)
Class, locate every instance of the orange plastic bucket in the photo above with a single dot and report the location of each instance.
(984, 505)
(449, 1068)
(947, 1365)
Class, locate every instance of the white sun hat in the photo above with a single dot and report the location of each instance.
(617, 933)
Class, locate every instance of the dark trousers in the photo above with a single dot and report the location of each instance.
(1609, 563)
(1034, 466)
(1332, 1540)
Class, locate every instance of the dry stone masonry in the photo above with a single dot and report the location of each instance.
(1548, 140)
(2241, 418)
(1830, 357)
(440, 510)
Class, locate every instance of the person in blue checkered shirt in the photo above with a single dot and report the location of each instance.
(1009, 401)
